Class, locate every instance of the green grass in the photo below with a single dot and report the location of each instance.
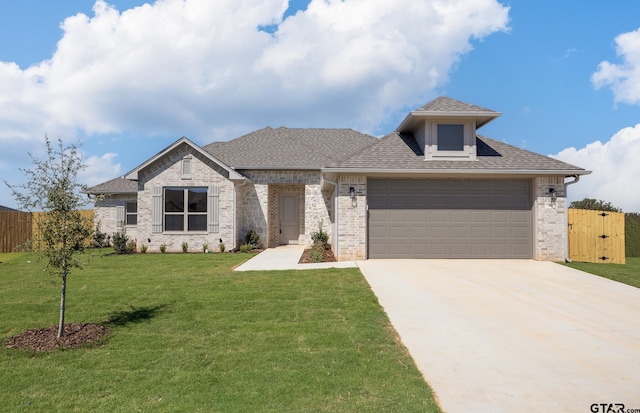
(628, 273)
(188, 334)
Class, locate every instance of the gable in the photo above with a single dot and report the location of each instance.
(176, 152)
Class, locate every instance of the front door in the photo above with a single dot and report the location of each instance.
(289, 219)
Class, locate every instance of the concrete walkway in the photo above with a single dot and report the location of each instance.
(286, 257)
(514, 335)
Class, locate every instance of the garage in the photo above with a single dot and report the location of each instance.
(449, 218)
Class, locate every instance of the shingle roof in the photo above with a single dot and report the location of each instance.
(7, 209)
(115, 186)
(398, 151)
(446, 104)
(290, 148)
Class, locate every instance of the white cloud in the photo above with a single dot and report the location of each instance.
(100, 169)
(615, 169)
(623, 78)
(205, 68)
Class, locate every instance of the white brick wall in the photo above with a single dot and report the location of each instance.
(105, 212)
(550, 219)
(352, 219)
(258, 204)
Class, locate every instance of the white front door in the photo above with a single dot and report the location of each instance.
(289, 219)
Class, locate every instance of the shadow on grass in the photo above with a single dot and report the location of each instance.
(134, 315)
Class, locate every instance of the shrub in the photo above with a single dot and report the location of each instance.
(246, 247)
(205, 247)
(100, 238)
(252, 237)
(317, 253)
(120, 240)
(163, 248)
(320, 237)
(131, 247)
(143, 248)
(221, 246)
(185, 247)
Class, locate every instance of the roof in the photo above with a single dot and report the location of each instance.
(290, 148)
(7, 209)
(444, 107)
(446, 104)
(399, 152)
(115, 186)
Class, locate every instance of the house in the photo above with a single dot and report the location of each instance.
(433, 188)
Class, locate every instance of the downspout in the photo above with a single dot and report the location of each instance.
(335, 212)
(576, 178)
(235, 191)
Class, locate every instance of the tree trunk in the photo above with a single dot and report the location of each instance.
(63, 298)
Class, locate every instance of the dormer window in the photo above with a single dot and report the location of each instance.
(446, 128)
(450, 137)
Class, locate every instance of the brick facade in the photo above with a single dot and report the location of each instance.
(352, 219)
(550, 219)
(258, 204)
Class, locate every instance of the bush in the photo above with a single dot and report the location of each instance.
(120, 243)
(163, 248)
(246, 247)
(132, 247)
(320, 237)
(252, 238)
(185, 247)
(221, 246)
(100, 239)
(317, 253)
(205, 247)
(143, 248)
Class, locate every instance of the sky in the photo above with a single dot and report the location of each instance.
(126, 78)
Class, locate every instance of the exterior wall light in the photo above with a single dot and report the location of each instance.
(352, 193)
(554, 194)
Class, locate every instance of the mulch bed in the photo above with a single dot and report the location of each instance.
(45, 339)
(327, 256)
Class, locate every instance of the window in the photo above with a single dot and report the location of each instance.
(450, 137)
(131, 213)
(185, 209)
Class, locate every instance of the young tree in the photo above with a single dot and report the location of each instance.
(52, 188)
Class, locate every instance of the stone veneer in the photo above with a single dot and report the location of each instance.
(258, 204)
(550, 219)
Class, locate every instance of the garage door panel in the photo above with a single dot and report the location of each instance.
(440, 218)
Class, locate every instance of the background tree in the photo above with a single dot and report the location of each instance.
(52, 188)
(598, 205)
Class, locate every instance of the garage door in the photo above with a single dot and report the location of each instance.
(447, 218)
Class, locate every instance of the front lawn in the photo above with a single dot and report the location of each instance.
(188, 334)
(628, 273)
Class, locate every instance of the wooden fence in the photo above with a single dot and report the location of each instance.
(596, 236)
(16, 228)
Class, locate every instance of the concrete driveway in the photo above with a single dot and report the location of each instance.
(514, 335)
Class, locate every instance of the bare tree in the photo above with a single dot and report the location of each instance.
(52, 188)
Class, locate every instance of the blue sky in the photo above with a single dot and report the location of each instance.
(127, 80)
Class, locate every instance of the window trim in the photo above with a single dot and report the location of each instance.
(185, 213)
(468, 152)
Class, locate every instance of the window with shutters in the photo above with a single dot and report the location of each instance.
(185, 209)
